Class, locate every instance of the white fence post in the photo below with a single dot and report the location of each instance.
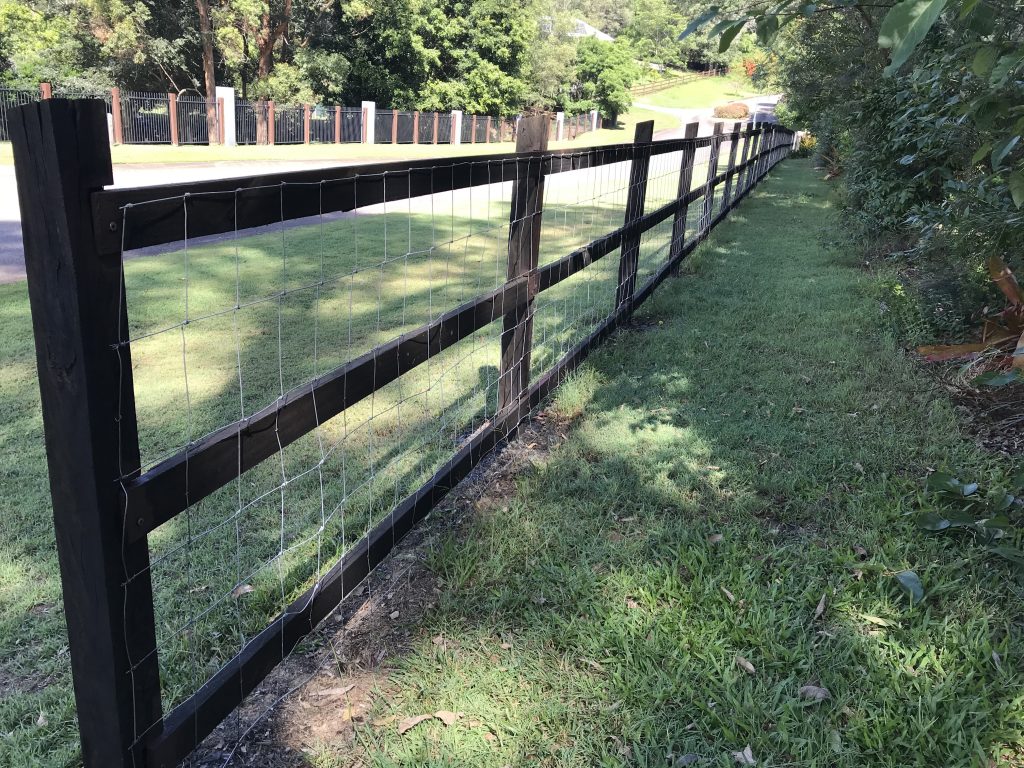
(456, 126)
(559, 125)
(228, 96)
(370, 118)
(595, 119)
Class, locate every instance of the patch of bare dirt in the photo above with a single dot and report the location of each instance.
(993, 417)
(324, 692)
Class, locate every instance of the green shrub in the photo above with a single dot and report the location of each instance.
(734, 110)
(808, 143)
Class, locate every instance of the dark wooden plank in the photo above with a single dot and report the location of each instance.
(704, 224)
(191, 475)
(156, 215)
(734, 145)
(524, 229)
(61, 155)
(685, 182)
(636, 196)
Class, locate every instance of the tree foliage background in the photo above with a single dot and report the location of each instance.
(918, 107)
(483, 56)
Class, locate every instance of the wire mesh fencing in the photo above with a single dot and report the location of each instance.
(9, 99)
(304, 364)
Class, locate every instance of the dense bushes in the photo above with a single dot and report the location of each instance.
(734, 110)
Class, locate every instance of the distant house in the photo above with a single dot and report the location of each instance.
(580, 29)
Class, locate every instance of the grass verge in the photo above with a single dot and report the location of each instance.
(706, 92)
(721, 528)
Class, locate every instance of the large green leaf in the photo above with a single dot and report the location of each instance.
(700, 21)
(1016, 182)
(729, 35)
(1001, 149)
(984, 60)
(911, 584)
(905, 26)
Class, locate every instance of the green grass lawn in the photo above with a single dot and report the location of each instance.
(598, 618)
(705, 92)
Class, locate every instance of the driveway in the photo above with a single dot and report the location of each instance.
(762, 109)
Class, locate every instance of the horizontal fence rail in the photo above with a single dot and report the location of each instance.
(661, 85)
(284, 374)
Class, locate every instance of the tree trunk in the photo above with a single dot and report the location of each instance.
(266, 39)
(209, 76)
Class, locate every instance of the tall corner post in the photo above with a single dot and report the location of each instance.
(523, 257)
(636, 197)
(61, 156)
(689, 154)
(708, 204)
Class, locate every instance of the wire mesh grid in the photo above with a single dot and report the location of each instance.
(224, 326)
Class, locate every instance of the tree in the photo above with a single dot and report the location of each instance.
(209, 75)
(604, 74)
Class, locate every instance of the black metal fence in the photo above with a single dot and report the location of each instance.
(9, 99)
(305, 419)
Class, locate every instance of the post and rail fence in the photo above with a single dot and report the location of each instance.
(654, 86)
(188, 118)
(283, 374)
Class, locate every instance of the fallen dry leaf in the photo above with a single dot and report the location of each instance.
(42, 720)
(242, 589)
(335, 691)
(446, 717)
(715, 538)
(437, 640)
(745, 665)
(393, 614)
(746, 757)
(727, 593)
(821, 606)
(814, 693)
(412, 722)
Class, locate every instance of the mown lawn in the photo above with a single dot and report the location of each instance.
(706, 92)
(735, 487)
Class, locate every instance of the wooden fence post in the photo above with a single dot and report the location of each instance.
(487, 130)
(734, 145)
(337, 125)
(61, 156)
(685, 182)
(435, 128)
(305, 123)
(363, 126)
(754, 140)
(271, 123)
(172, 108)
(636, 196)
(45, 91)
(523, 256)
(115, 111)
(472, 131)
(394, 126)
(708, 206)
(415, 126)
(741, 174)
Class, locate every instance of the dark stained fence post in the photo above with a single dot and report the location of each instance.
(172, 108)
(115, 111)
(523, 256)
(734, 144)
(750, 175)
(61, 156)
(741, 173)
(708, 205)
(636, 197)
(685, 182)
